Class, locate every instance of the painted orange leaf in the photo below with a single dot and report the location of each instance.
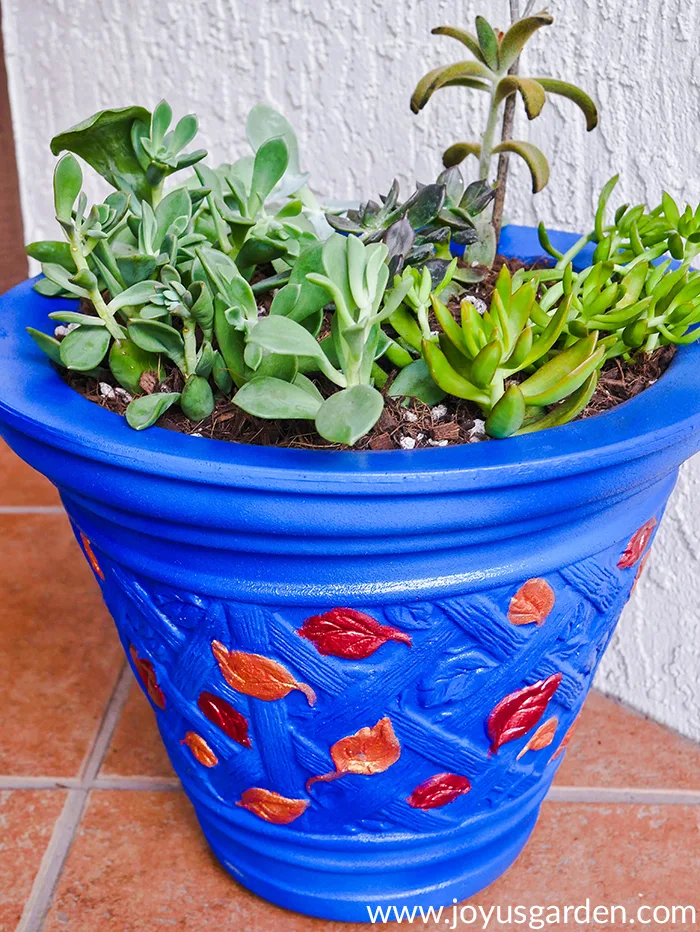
(532, 603)
(637, 545)
(640, 570)
(272, 807)
(147, 672)
(90, 554)
(566, 740)
(368, 751)
(200, 749)
(438, 791)
(542, 738)
(257, 676)
(515, 715)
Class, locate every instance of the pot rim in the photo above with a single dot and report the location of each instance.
(35, 401)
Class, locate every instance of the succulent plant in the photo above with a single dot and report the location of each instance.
(493, 55)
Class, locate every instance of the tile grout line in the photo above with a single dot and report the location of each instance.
(605, 794)
(67, 824)
(32, 510)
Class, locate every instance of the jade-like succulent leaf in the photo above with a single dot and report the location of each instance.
(58, 252)
(269, 397)
(104, 142)
(67, 182)
(533, 157)
(129, 362)
(197, 398)
(85, 348)
(573, 93)
(271, 161)
(175, 207)
(349, 414)
(415, 381)
(266, 123)
(156, 337)
(145, 411)
(48, 344)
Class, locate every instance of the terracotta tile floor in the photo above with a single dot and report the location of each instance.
(96, 835)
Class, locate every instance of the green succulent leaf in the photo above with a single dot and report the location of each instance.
(459, 151)
(271, 398)
(448, 379)
(466, 38)
(271, 161)
(67, 182)
(104, 142)
(56, 252)
(577, 96)
(567, 410)
(134, 295)
(48, 344)
(129, 363)
(416, 381)
(349, 414)
(153, 336)
(85, 348)
(197, 399)
(519, 34)
(136, 268)
(145, 411)
(61, 277)
(266, 123)
(531, 91)
(533, 157)
(488, 43)
(507, 415)
(439, 77)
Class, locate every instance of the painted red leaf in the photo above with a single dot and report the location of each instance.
(223, 714)
(438, 791)
(147, 672)
(344, 632)
(270, 806)
(90, 554)
(515, 715)
(637, 545)
(532, 603)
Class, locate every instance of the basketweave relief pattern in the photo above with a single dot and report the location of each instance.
(399, 719)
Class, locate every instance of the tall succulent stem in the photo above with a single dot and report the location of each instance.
(103, 312)
(506, 135)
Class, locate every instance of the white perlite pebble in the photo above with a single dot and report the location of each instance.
(437, 443)
(123, 394)
(410, 416)
(196, 433)
(64, 329)
(477, 433)
(438, 412)
(407, 443)
(478, 303)
(106, 390)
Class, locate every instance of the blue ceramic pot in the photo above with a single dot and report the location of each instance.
(417, 629)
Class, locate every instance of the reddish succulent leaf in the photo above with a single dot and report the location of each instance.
(200, 749)
(637, 545)
(223, 714)
(147, 673)
(532, 603)
(515, 715)
(542, 738)
(272, 807)
(438, 791)
(344, 632)
(368, 751)
(257, 676)
(90, 554)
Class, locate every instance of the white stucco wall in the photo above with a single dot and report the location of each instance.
(343, 73)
